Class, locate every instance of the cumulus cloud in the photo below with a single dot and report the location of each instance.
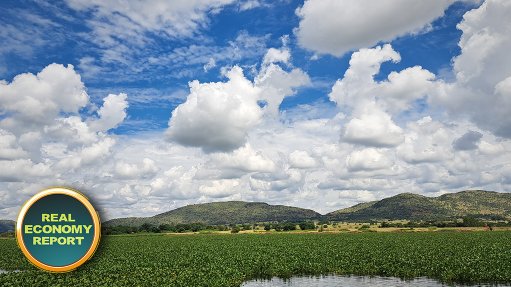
(402, 88)
(276, 83)
(36, 100)
(112, 113)
(358, 83)
(425, 141)
(395, 94)
(89, 155)
(217, 116)
(490, 148)
(371, 102)
(371, 126)
(9, 148)
(482, 88)
(20, 169)
(44, 139)
(229, 140)
(176, 183)
(220, 188)
(147, 168)
(336, 27)
(246, 159)
(301, 159)
(367, 159)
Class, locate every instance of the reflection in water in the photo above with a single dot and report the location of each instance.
(348, 281)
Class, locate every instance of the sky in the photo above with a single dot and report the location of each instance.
(321, 104)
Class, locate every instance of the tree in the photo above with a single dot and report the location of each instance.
(288, 226)
(308, 225)
(469, 221)
(165, 227)
(146, 227)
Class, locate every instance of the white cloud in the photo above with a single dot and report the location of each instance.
(111, 114)
(358, 82)
(184, 59)
(371, 104)
(129, 20)
(274, 55)
(371, 126)
(482, 87)
(89, 155)
(489, 148)
(294, 157)
(395, 94)
(246, 159)
(250, 4)
(301, 159)
(209, 65)
(426, 141)
(336, 27)
(9, 148)
(217, 116)
(220, 188)
(277, 84)
(148, 168)
(404, 87)
(20, 169)
(36, 100)
(44, 140)
(367, 159)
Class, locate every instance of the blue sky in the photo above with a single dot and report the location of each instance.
(63, 31)
(320, 104)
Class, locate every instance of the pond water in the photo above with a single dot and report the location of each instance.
(348, 281)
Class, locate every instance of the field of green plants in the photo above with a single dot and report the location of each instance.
(228, 260)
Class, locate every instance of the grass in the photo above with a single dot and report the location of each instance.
(229, 260)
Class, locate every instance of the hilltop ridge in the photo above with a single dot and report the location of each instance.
(406, 206)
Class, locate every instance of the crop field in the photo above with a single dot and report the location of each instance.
(229, 260)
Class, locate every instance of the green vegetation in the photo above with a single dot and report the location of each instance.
(218, 213)
(408, 206)
(228, 260)
(197, 227)
(467, 221)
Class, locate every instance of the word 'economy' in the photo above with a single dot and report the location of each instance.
(56, 229)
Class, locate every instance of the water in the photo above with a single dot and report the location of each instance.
(348, 281)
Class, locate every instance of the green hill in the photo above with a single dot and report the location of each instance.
(6, 225)
(230, 212)
(410, 206)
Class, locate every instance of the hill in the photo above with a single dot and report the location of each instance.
(410, 206)
(230, 212)
(406, 206)
(6, 225)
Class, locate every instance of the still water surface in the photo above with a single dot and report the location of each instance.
(349, 281)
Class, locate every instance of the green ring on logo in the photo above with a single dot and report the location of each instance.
(58, 229)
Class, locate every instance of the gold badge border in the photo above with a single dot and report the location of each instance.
(78, 196)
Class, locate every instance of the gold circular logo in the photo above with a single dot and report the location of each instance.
(58, 229)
